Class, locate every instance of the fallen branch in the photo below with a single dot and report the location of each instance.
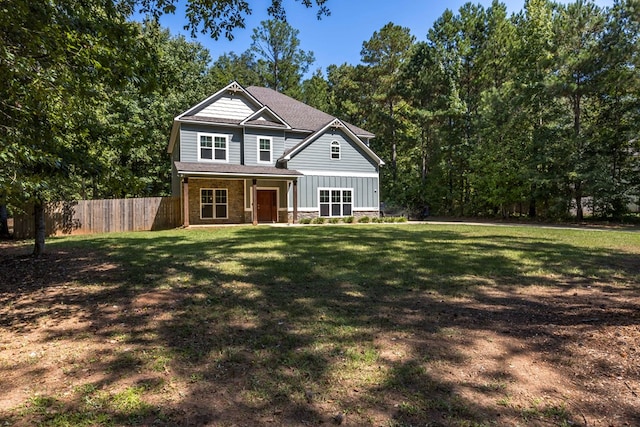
(630, 389)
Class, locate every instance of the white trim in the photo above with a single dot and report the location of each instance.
(224, 175)
(270, 139)
(214, 204)
(213, 136)
(339, 173)
(307, 209)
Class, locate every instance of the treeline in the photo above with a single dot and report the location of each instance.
(536, 113)
(533, 114)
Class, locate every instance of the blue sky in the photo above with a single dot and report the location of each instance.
(338, 38)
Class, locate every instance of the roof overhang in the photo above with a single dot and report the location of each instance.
(268, 111)
(233, 171)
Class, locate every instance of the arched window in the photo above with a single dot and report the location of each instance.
(335, 150)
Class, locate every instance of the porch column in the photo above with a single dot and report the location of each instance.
(295, 201)
(254, 207)
(185, 202)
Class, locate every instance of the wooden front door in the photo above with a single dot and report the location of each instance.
(267, 206)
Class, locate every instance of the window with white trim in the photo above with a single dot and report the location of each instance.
(265, 148)
(335, 150)
(335, 202)
(213, 203)
(213, 147)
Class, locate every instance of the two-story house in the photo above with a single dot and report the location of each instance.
(250, 155)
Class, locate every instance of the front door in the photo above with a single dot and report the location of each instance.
(267, 206)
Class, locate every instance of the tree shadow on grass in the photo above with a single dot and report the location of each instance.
(296, 325)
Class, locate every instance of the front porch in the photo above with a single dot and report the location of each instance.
(225, 194)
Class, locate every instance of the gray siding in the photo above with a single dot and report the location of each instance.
(293, 139)
(316, 156)
(251, 145)
(189, 144)
(365, 190)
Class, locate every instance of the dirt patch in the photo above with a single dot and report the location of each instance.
(77, 340)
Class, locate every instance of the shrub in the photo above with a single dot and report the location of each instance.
(305, 221)
(364, 219)
(348, 219)
(318, 220)
(334, 220)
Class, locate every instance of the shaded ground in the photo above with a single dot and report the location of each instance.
(346, 325)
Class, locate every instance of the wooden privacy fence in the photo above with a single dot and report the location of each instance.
(102, 216)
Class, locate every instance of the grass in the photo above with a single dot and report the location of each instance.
(355, 316)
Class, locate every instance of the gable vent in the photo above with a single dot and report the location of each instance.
(234, 87)
(336, 124)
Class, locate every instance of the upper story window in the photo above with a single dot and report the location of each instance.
(265, 149)
(335, 150)
(213, 147)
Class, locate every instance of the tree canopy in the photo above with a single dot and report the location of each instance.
(88, 94)
(536, 113)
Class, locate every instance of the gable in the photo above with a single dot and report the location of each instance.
(332, 127)
(267, 109)
(233, 106)
(316, 155)
(265, 117)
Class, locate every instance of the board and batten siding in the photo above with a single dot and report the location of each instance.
(317, 155)
(365, 190)
(228, 107)
(251, 145)
(189, 141)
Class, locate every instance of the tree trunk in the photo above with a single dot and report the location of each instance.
(577, 129)
(4, 222)
(578, 196)
(38, 214)
(532, 207)
(394, 146)
(425, 154)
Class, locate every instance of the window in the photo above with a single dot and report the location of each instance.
(335, 150)
(213, 147)
(264, 150)
(336, 202)
(213, 203)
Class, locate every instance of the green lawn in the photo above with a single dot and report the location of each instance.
(359, 324)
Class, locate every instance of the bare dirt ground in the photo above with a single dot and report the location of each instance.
(563, 355)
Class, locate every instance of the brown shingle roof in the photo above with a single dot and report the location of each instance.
(230, 169)
(298, 114)
(210, 120)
